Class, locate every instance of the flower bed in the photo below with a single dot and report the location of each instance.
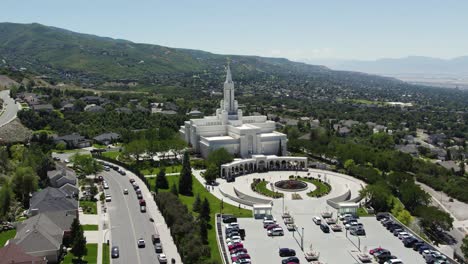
(259, 186)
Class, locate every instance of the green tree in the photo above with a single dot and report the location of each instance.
(6, 200)
(432, 217)
(211, 173)
(185, 179)
(136, 148)
(204, 231)
(219, 157)
(379, 196)
(24, 181)
(205, 210)
(464, 247)
(404, 217)
(412, 196)
(86, 164)
(74, 230)
(79, 244)
(161, 180)
(197, 204)
(61, 146)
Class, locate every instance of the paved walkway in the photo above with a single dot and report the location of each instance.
(98, 219)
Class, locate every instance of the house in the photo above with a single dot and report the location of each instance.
(123, 110)
(168, 112)
(50, 200)
(411, 149)
(69, 107)
(171, 106)
(94, 108)
(14, 254)
(93, 100)
(43, 108)
(42, 235)
(61, 176)
(141, 108)
(74, 140)
(106, 138)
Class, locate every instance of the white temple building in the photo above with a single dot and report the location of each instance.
(242, 136)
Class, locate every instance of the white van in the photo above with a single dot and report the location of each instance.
(317, 220)
(277, 231)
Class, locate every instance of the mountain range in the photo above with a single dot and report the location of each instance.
(414, 69)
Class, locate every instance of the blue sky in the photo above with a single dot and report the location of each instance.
(347, 29)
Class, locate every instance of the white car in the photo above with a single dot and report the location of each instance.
(108, 198)
(232, 225)
(394, 261)
(277, 231)
(66, 160)
(162, 258)
(234, 238)
(125, 191)
(232, 242)
(317, 220)
(403, 235)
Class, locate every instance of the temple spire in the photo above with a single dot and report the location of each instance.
(228, 74)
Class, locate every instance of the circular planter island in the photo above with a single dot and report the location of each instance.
(291, 186)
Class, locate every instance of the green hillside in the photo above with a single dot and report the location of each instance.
(89, 58)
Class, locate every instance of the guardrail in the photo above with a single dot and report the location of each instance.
(220, 239)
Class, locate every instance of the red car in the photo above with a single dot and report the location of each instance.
(375, 250)
(240, 256)
(269, 227)
(235, 245)
(142, 202)
(238, 250)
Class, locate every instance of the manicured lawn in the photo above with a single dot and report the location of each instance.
(99, 146)
(169, 169)
(105, 254)
(261, 187)
(89, 207)
(215, 206)
(6, 235)
(322, 188)
(90, 258)
(90, 227)
(111, 154)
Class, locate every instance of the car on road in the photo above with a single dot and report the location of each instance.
(125, 191)
(287, 252)
(106, 168)
(132, 181)
(162, 258)
(66, 160)
(56, 158)
(141, 243)
(122, 172)
(115, 252)
(143, 209)
(290, 260)
(108, 198)
(158, 247)
(142, 202)
(139, 196)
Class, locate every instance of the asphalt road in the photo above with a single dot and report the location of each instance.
(127, 223)
(11, 108)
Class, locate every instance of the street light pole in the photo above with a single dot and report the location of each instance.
(302, 239)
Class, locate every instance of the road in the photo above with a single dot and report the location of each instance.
(11, 108)
(127, 223)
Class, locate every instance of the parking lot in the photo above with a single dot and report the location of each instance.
(334, 247)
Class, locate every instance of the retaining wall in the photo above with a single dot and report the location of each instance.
(249, 198)
(334, 202)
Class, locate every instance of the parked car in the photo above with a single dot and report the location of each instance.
(277, 231)
(108, 198)
(383, 252)
(290, 260)
(233, 225)
(287, 252)
(115, 252)
(242, 261)
(269, 227)
(317, 220)
(269, 217)
(375, 250)
(143, 209)
(417, 245)
(125, 191)
(394, 261)
(234, 239)
(238, 250)
(235, 245)
(357, 231)
(141, 243)
(384, 258)
(268, 222)
(409, 241)
(240, 256)
(139, 196)
(158, 248)
(132, 180)
(325, 228)
(229, 219)
(379, 216)
(397, 231)
(155, 238)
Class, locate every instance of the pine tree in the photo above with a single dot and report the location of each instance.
(197, 204)
(205, 210)
(174, 190)
(79, 244)
(185, 179)
(161, 180)
(74, 230)
(204, 231)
